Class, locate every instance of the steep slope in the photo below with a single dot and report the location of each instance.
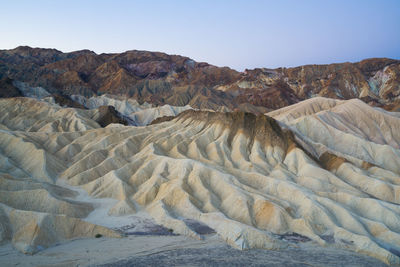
(160, 79)
(333, 179)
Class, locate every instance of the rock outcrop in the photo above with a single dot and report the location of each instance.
(107, 115)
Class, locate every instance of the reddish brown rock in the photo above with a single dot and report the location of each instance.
(160, 79)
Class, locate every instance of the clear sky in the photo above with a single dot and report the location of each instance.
(239, 34)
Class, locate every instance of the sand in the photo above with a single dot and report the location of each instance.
(179, 251)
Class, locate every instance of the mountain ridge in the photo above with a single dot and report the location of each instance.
(160, 79)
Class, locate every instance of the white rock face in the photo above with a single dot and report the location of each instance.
(137, 114)
(336, 182)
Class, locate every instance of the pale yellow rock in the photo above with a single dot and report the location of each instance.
(241, 175)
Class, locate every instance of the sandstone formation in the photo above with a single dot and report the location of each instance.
(325, 169)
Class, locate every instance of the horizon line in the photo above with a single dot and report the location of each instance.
(246, 69)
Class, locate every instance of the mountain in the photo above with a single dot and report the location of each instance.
(324, 170)
(160, 79)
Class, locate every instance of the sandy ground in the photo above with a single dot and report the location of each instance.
(145, 250)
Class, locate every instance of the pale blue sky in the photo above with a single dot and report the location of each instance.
(239, 34)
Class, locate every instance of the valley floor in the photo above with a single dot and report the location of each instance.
(137, 250)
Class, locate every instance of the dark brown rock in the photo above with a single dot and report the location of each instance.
(66, 101)
(160, 79)
(162, 119)
(108, 115)
(7, 89)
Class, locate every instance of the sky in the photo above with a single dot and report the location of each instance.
(239, 34)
